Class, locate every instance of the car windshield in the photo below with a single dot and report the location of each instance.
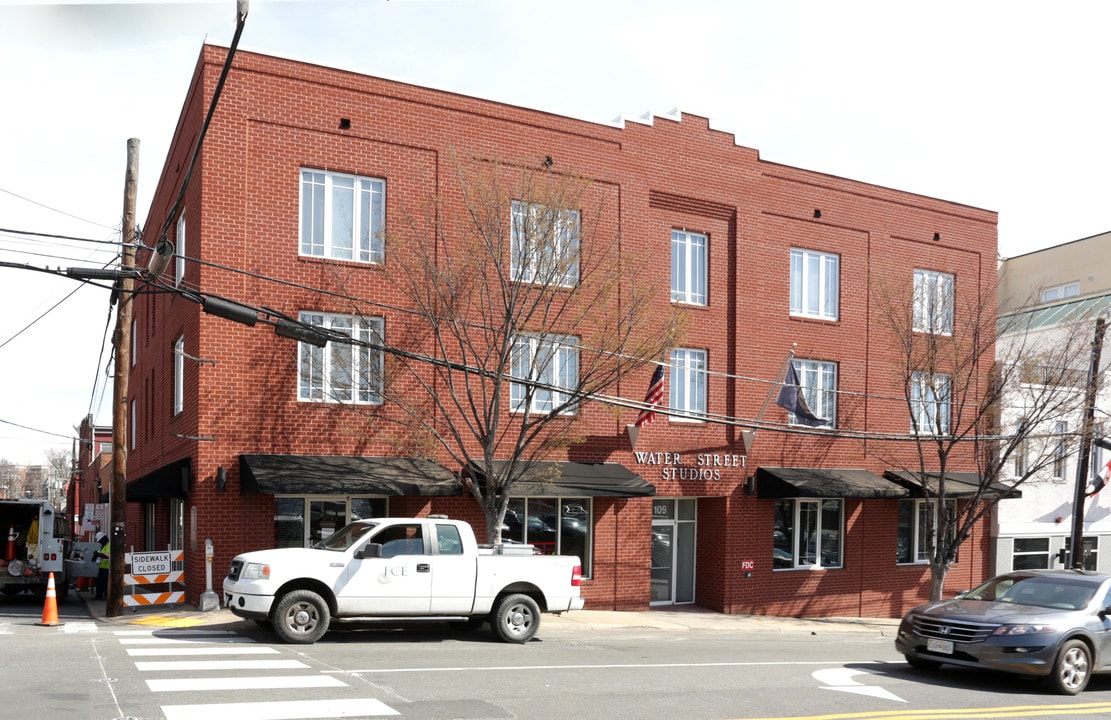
(1035, 590)
(346, 536)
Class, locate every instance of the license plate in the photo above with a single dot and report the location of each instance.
(945, 647)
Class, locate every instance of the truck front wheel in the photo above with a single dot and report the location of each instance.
(301, 617)
(516, 618)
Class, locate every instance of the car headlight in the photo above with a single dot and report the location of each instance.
(1013, 630)
(256, 571)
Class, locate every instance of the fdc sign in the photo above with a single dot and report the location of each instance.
(150, 563)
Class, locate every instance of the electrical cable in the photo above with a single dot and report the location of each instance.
(60, 212)
(44, 432)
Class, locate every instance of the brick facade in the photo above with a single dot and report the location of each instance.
(241, 211)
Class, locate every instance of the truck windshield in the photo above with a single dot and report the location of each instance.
(346, 536)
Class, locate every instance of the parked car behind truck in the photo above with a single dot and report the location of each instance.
(402, 569)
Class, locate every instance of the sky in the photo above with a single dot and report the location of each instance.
(998, 105)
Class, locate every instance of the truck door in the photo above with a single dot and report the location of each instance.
(453, 573)
(398, 583)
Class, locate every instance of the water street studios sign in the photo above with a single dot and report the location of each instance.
(700, 466)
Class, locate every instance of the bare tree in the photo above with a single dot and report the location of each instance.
(980, 392)
(520, 315)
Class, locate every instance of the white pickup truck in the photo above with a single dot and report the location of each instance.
(398, 570)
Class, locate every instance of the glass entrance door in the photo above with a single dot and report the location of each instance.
(673, 544)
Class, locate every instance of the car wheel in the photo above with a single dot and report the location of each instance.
(301, 617)
(1073, 668)
(919, 663)
(516, 618)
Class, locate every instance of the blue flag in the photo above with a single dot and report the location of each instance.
(791, 399)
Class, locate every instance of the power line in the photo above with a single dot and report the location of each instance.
(44, 432)
(52, 209)
(55, 236)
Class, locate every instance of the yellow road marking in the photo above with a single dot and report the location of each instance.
(165, 621)
(1014, 711)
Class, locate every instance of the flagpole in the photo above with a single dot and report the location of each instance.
(748, 436)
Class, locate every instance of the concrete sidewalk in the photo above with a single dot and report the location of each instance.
(684, 619)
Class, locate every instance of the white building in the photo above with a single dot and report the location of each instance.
(1052, 295)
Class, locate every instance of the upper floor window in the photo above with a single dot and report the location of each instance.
(933, 302)
(1060, 292)
(688, 384)
(544, 245)
(818, 384)
(688, 267)
(930, 400)
(342, 216)
(807, 534)
(1060, 449)
(179, 249)
(341, 372)
(815, 284)
(179, 375)
(550, 366)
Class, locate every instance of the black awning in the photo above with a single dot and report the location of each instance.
(551, 478)
(783, 482)
(957, 484)
(342, 475)
(168, 481)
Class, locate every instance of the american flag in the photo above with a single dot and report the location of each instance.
(653, 397)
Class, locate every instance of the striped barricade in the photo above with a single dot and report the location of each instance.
(154, 568)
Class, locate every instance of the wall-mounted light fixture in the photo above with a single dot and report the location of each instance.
(221, 479)
(345, 123)
(817, 214)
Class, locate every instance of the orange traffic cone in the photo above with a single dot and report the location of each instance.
(9, 554)
(50, 609)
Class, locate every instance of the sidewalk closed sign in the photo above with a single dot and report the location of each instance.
(150, 563)
(154, 568)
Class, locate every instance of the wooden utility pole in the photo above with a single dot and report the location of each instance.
(121, 339)
(1077, 549)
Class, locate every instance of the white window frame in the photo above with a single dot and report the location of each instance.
(815, 284)
(544, 244)
(815, 510)
(179, 375)
(933, 302)
(927, 392)
(321, 376)
(1059, 466)
(320, 216)
(179, 249)
(1061, 292)
(547, 367)
(919, 521)
(818, 384)
(687, 401)
(689, 260)
(131, 425)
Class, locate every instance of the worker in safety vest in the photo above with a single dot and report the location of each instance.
(102, 557)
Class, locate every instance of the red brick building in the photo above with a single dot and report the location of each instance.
(228, 442)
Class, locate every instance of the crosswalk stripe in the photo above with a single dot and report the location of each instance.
(237, 640)
(181, 652)
(294, 710)
(175, 632)
(264, 682)
(188, 665)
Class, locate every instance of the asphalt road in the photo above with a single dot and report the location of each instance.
(139, 667)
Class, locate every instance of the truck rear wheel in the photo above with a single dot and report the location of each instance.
(516, 618)
(301, 617)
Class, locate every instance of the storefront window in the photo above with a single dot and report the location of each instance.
(554, 526)
(807, 534)
(302, 521)
(1030, 553)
